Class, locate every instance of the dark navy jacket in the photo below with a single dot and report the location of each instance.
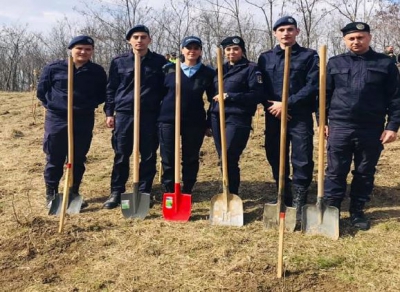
(192, 90)
(244, 86)
(90, 82)
(121, 81)
(304, 78)
(362, 90)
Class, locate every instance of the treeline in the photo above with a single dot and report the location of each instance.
(23, 51)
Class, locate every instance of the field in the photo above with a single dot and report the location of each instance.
(100, 250)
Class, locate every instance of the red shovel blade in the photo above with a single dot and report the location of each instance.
(177, 206)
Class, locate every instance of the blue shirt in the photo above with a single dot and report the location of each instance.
(189, 71)
(192, 90)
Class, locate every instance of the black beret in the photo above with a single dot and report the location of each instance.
(286, 20)
(137, 28)
(355, 27)
(234, 40)
(81, 40)
(190, 40)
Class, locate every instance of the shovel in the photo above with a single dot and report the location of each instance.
(274, 213)
(73, 203)
(321, 219)
(177, 206)
(136, 204)
(226, 208)
(61, 201)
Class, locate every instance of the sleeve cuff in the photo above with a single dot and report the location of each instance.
(392, 127)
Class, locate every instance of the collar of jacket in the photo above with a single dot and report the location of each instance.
(366, 55)
(278, 50)
(242, 62)
(148, 55)
(83, 67)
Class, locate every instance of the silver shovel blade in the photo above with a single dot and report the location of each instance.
(135, 205)
(271, 217)
(321, 221)
(221, 214)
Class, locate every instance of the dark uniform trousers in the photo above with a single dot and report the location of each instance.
(55, 145)
(122, 143)
(237, 134)
(192, 139)
(344, 144)
(300, 135)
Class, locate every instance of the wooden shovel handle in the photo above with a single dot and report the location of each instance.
(177, 120)
(136, 118)
(69, 174)
(225, 181)
(322, 119)
(284, 115)
(282, 159)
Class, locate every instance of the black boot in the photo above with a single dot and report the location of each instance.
(51, 192)
(357, 217)
(288, 196)
(333, 202)
(169, 188)
(113, 201)
(187, 187)
(299, 200)
(75, 193)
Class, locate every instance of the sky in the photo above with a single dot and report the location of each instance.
(41, 15)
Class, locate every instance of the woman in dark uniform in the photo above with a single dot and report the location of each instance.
(197, 79)
(242, 91)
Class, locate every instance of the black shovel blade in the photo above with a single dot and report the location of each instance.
(136, 204)
(55, 205)
(74, 204)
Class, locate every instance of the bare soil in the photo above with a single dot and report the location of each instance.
(100, 250)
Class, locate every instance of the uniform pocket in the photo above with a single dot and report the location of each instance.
(60, 82)
(340, 76)
(376, 76)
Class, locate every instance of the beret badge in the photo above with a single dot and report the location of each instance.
(360, 26)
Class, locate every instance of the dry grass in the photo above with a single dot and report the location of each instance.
(102, 251)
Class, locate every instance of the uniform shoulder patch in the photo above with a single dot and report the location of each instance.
(259, 77)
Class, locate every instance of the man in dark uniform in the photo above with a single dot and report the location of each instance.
(389, 51)
(302, 98)
(363, 109)
(119, 112)
(90, 82)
